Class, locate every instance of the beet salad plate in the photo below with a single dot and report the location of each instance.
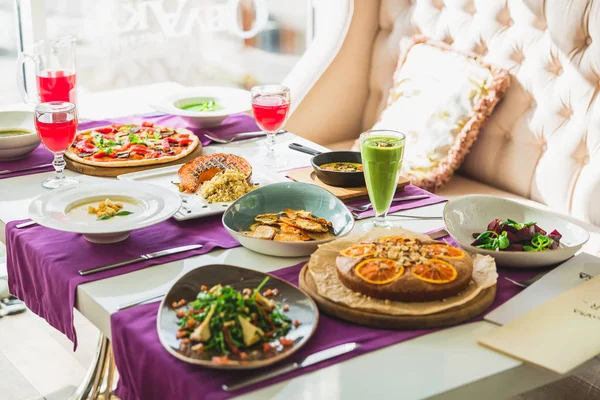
(227, 317)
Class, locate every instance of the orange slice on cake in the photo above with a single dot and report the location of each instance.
(379, 271)
(444, 250)
(359, 250)
(436, 271)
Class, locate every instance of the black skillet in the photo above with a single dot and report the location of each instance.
(333, 178)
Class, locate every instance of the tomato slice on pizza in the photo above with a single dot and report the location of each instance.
(131, 145)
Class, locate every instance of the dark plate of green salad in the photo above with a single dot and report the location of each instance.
(227, 317)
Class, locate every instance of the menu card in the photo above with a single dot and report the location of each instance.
(559, 335)
(557, 281)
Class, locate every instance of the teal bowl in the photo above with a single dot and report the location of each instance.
(277, 197)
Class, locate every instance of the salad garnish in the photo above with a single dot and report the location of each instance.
(107, 209)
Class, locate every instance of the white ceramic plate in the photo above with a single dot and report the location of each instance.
(66, 209)
(15, 147)
(229, 100)
(470, 214)
(193, 206)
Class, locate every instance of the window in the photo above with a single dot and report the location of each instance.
(123, 43)
(9, 92)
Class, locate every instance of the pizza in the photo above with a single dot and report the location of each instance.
(405, 269)
(131, 145)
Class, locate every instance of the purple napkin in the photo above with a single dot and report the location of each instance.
(148, 371)
(43, 264)
(39, 156)
(409, 190)
(233, 124)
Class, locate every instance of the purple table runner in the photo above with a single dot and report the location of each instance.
(43, 264)
(37, 157)
(147, 371)
(233, 124)
(409, 190)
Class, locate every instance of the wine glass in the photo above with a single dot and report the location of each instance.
(382, 152)
(271, 105)
(56, 125)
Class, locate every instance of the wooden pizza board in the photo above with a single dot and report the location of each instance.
(307, 175)
(446, 318)
(115, 171)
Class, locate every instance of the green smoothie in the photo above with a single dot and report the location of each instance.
(382, 160)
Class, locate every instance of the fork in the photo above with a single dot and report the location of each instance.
(404, 198)
(358, 217)
(238, 136)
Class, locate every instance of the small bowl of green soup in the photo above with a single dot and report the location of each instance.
(17, 135)
(205, 106)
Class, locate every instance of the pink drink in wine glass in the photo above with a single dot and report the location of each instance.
(57, 136)
(270, 112)
(56, 125)
(271, 106)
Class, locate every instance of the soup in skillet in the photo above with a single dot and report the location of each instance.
(342, 167)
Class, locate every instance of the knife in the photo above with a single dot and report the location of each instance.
(134, 303)
(314, 358)
(149, 256)
(10, 171)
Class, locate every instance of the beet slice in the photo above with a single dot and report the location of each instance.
(512, 237)
(539, 230)
(495, 225)
(525, 233)
(508, 228)
(555, 236)
(514, 247)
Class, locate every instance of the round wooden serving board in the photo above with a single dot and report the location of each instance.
(446, 318)
(116, 171)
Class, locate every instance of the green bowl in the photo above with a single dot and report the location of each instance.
(277, 197)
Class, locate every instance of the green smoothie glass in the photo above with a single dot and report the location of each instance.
(382, 152)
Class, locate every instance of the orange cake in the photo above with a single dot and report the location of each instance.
(405, 269)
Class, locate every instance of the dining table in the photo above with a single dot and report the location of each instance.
(446, 364)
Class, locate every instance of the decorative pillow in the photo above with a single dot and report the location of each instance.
(439, 100)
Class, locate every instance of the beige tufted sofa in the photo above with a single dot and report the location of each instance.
(541, 146)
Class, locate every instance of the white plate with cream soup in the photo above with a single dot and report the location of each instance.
(85, 209)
